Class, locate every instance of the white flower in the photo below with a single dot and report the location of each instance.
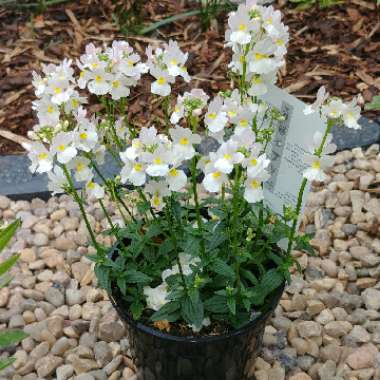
(62, 146)
(317, 166)
(42, 160)
(187, 262)
(243, 120)
(253, 191)
(174, 59)
(215, 118)
(57, 180)
(47, 112)
(179, 111)
(148, 136)
(322, 96)
(132, 171)
(258, 86)
(256, 165)
(94, 190)
(241, 26)
(82, 171)
(214, 181)
(161, 86)
(99, 82)
(183, 140)
(245, 139)
(157, 190)
(176, 179)
(99, 153)
(351, 114)
(38, 83)
(119, 87)
(157, 162)
(86, 138)
(227, 156)
(156, 297)
(261, 59)
(334, 109)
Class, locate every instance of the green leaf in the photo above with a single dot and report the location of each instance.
(167, 312)
(220, 267)
(153, 231)
(192, 309)
(6, 363)
(270, 281)
(231, 303)
(8, 264)
(7, 338)
(133, 276)
(216, 304)
(249, 276)
(216, 240)
(166, 247)
(102, 274)
(122, 284)
(7, 233)
(375, 104)
(5, 280)
(137, 308)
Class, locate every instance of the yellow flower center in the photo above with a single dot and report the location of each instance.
(157, 161)
(173, 172)
(280, 42)
(130, 62)
(98, 79)
(260, 56)
(184, 141)
(137, 167)
(57, 90)
(212, 115)
(91, 185)
(243, 123)
(61, 147)
(50, 109)
(255, 184)
(94, 65)
(83, 136)
(227, 156)
(242, 27)
(156, 200)
(173, 62)
(43, 156)
(231, 113)
(216, 175)
(176, 109)
(242, 59)
(257, 80)
(316, 164)
(270, 21)
(161, 81)
(81, 74)
(116, 84)
(74, 103)
(80, 167)
(253, 162)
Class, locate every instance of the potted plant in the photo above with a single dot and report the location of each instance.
(199, 261)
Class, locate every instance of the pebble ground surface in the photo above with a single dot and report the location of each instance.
(326, 327)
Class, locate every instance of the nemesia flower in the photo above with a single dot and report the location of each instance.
(132, 171)
(184, 140)
(243, 120)
(351, 114)
(328, 147)
(174, 59)
(241, 26)
(205, 323)
(94, 190)
(256, 164)
(214, 180)
(56, 180)
(253, 191)
(47, 112)
(216, 118)
(158, 190)
(317, 167)
(333, 109)
(62, 146)
(82, 171)
(99, 82)
(187, 262)
(176, 179)
(156, 297)
(41, 158)
(157, 161)
(227, 156)
(86, 138)
(322, 96)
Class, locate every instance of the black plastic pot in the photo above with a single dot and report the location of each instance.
(161, 356)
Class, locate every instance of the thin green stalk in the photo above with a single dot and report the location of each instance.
(106, 214)
(197, 207)
(318, 153)
(166, 106)
(234, 222)
(79, 200)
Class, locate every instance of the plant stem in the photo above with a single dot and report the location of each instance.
(318, 153)
(234, 222)
(197, 207)
(79, 200)
(107, 215)
(166, 105)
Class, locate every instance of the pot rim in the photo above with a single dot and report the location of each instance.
(122, 308)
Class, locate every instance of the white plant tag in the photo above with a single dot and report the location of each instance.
(287, 149)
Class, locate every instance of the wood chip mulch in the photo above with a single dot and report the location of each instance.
(338, 47)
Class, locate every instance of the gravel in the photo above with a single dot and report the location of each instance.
(326, 327)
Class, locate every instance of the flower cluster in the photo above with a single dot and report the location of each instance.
(258, 39)
(186, 255)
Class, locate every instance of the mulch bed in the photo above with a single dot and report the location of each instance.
(338, 47)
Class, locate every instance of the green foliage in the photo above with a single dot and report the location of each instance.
(375, 104)
(304, 4)
(220, 285)
(8, 338)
